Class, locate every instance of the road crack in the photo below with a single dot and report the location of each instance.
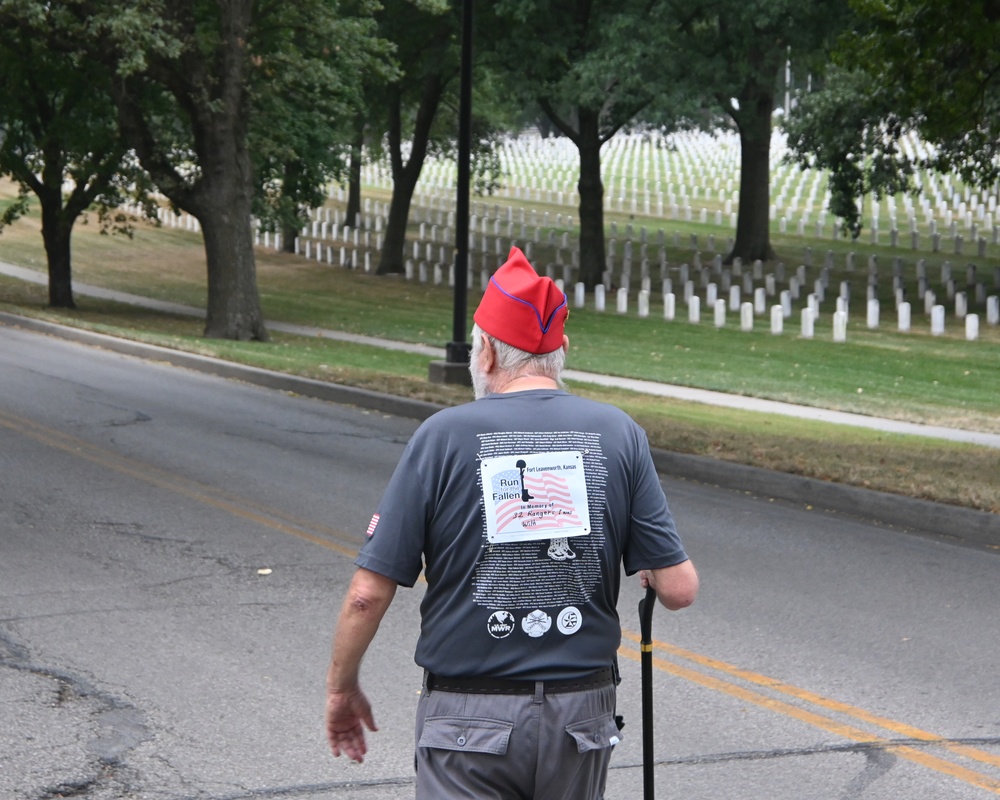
(118, 725)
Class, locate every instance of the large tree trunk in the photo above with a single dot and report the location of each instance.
(56, 233)
(591, 188)
(223, 208)
(405, 176)
(393, 255)
(211, 94)
(289, 233)
(233, 303)
(354, 171)
(290, 228)
(753, 225)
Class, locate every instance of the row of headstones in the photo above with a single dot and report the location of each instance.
(948, 280)
(958, 241)
(327, 221)
(781, 312)
(435, 209)
(747, 311)
(629, 202)
(717, 152)
(760, 294)
(953, 241)
(348, 258)
(732, 280)
(169, 219)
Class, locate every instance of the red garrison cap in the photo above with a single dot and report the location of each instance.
(522, 308)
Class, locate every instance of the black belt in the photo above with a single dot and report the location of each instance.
(485, 685)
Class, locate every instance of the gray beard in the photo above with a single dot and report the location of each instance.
(480, 385)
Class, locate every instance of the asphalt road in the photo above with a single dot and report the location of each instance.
(173, 551)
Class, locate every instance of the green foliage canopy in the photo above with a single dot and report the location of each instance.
(908, 66)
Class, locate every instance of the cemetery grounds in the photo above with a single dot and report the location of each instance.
(669, 212)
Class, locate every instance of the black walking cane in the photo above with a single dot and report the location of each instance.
(646, 660)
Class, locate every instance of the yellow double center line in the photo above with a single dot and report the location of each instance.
(731, 680)
(809, 707)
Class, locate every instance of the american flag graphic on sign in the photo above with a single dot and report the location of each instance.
(549, 504)
(372, 525)
(535, 496)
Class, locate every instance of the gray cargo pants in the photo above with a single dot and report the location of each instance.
(515, 747)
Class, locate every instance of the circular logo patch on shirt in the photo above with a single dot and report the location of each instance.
(569, 620)
(536, 623)
(501, 624)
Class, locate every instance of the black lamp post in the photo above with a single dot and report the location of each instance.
(455, 367)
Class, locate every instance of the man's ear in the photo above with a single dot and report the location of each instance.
(565, 344)
(486, 354)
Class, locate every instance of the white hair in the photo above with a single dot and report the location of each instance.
(512, 362)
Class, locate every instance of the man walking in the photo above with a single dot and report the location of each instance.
(520, 508)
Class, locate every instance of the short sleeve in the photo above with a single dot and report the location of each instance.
(395, 539)
(653, 542)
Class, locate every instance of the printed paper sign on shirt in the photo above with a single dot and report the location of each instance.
(535, 496)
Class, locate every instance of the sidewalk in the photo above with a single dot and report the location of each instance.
(645, 387)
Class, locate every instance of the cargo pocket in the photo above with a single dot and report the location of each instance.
(469, 734)
(595, 734)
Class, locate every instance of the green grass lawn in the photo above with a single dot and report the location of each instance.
(918, 377)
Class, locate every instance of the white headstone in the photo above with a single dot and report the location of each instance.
(777, 319)
(746, 317)
(579, 295)
(622, 301)
(720, 313)
(694, 309)
(937, 320)
(839, 326)
(669, 306)
(807, 323)
(903, 314)
(972, 327)
(786, 304)
(599, 297)
(873, 312)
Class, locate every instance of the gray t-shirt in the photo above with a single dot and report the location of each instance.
(522, 579)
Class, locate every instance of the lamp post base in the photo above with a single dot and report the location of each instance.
(455, 368)
(449, 372)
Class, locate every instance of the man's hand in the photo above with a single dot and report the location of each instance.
(367, 599)
(345, 711)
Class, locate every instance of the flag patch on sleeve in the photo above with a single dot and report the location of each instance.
(372, 525)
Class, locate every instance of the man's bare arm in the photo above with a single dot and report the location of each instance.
(676, 587)
(368, 598)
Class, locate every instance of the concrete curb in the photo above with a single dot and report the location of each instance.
(923, 516)
(321, 390)
(954, 522)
